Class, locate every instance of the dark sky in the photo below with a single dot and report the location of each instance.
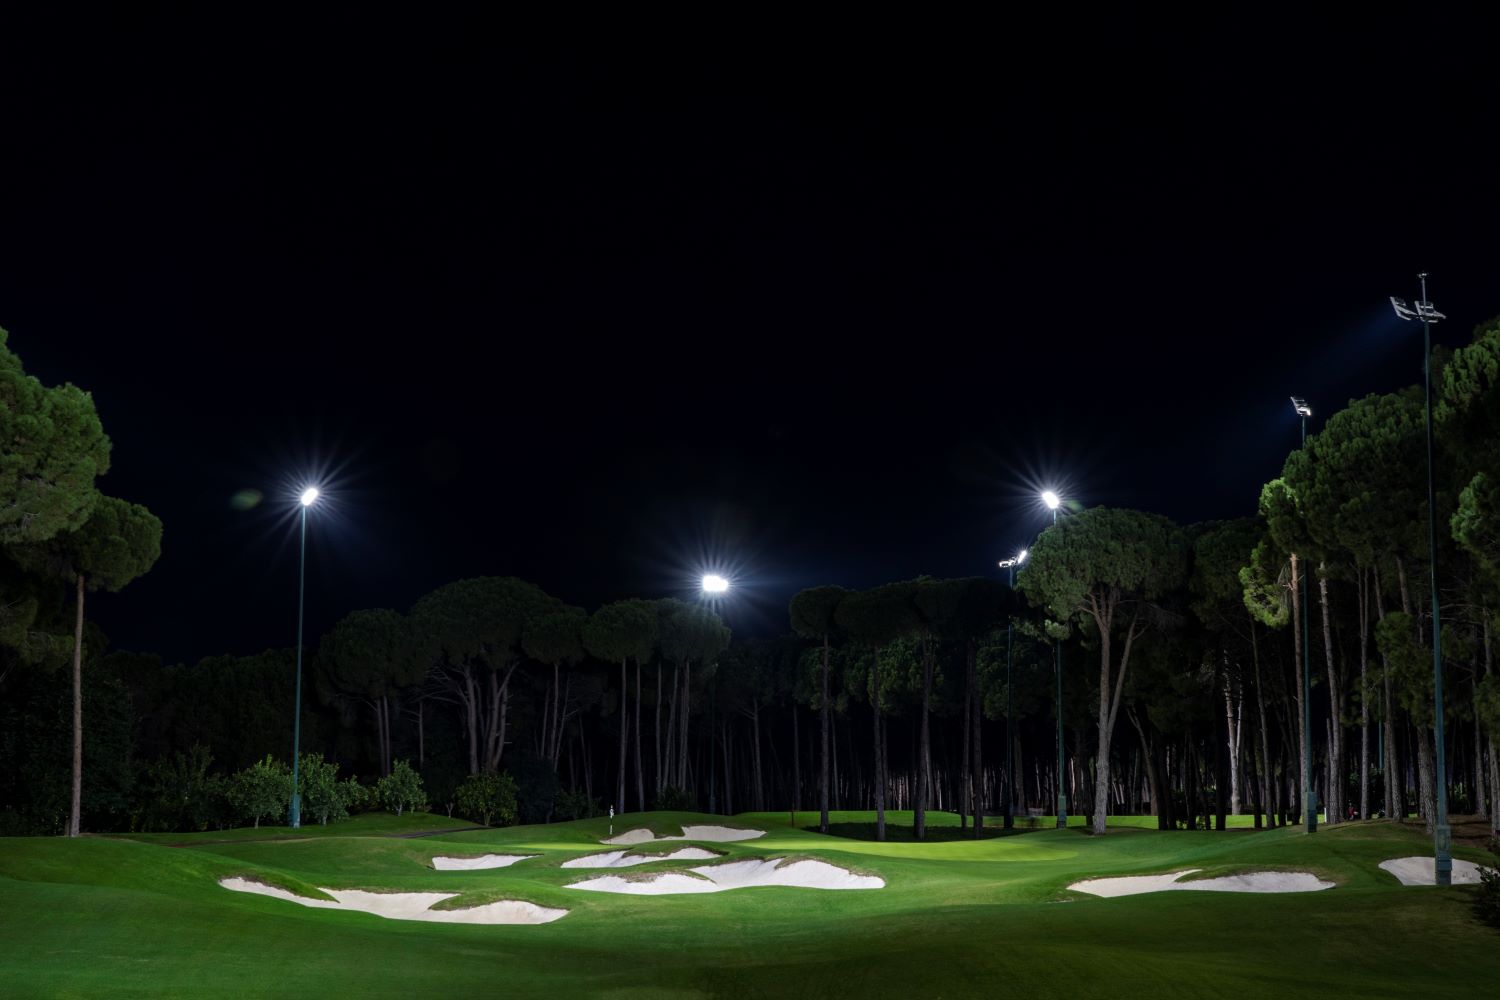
(812, 308)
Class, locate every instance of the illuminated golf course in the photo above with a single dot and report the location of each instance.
(132, 917)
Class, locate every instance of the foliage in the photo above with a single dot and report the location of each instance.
(673, 799)
(488, 798)
(369, 654)
(52, 448)
(324, 797)
(1487, 899)
(264, 789)
(1102, 550)
(814, 611)
(401, 789)
(179, 793)
(536, 787)
(576, 805)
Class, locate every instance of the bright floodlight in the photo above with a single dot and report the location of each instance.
(309, 495)
(713, 583)
(1014, 560)
(1052, 500)
(1300, 405)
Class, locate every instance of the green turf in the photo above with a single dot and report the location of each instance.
(137, 917)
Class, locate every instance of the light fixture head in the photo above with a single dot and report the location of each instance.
(713, 583)
(1021, 557)
(1051, 499)
(1403, 311)
(1299, 405)
(309, 496)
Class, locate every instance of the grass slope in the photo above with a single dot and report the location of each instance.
(117, 917)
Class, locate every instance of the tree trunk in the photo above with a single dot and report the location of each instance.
(1363, 593)
(879, 788)
(471, 715)
(1479, 772)
(1270, 791)
(1425, 775)
(760, 788)
(421, 733)
(75, 809)
(728, 770)
(656, 733)
(640, 774)
(1335, 784)
(624, 727)
(682, 730)
(796, 766)
(966, 788)
(825, 719)
(919, 806)
(1232, 727)
(1109, 699)
(669, 750)
(977, 800)
(1298, 656)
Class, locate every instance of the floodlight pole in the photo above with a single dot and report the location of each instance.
(1062, 794)
(295, 817)
(1010, 717)
(1310, 807)
(1442, 834)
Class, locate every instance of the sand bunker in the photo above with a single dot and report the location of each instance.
(622, 859)
(714, 834)
(1419, 871)
(409, 905)
(473, 864)
(1133, 885)
(736, 875)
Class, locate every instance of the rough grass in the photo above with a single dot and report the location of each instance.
(110, 917)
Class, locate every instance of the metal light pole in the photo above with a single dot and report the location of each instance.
(1310, 807)
(1442, 835)
(308, 498)
(1053, 501)
(1010, 718)
(714, 587)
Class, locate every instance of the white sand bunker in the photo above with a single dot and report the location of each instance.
(713, 834)
(1133, 885)
(1419, 871)
(443, 864)
(409, 905)
(622, 859)
(736, 875)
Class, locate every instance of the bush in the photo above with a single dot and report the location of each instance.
(576, 805)
(536, 787)
(324, 798)
(488, 798)
(401, 789)
(1487, 902)
(179, 793)
(355, 798)
(262, 789)
(674, 799)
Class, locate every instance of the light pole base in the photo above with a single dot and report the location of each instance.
(294, 815)
(1062, 812)
(1442, 862)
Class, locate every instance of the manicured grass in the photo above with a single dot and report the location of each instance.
(134, 917)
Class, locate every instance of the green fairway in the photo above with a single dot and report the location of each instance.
(134, 917)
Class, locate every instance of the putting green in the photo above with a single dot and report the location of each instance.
(134, 917)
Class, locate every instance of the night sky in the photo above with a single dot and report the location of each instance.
(809, 308)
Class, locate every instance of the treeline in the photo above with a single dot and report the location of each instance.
(1183, 652)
